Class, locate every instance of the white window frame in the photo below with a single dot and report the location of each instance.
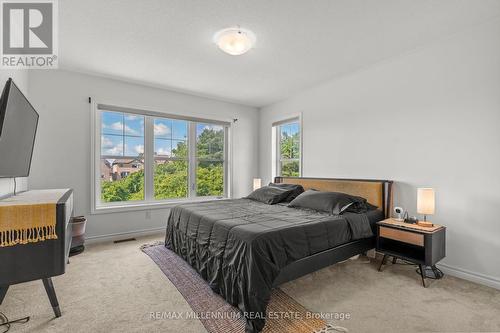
(98, 207)
(276, 153)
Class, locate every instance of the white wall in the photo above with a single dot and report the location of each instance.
(427, 118)
(62, 152)
(20, 78)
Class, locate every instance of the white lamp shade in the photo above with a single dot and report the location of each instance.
(257, 183)
(425, 201)
(235, 41)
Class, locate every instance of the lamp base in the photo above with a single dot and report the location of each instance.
(425, 224)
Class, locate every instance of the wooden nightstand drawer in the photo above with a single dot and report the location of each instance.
(402, 236)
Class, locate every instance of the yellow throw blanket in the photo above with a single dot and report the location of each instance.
(29, 223)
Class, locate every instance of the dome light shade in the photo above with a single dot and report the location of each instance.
(235, 41)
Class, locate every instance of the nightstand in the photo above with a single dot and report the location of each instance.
(423, 246)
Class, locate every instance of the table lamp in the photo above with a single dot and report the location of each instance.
(257, 183)
(425, 204)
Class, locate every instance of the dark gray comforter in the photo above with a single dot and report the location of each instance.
(239, 246)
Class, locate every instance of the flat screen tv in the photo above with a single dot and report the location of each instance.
(18, 124)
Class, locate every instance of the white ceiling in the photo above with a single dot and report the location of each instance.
(168, 43)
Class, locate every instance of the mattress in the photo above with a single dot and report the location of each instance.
(239, 246)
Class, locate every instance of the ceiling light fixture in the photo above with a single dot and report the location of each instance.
(235, 41)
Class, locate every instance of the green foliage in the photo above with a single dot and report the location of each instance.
(290, 169)
(289, 145)
(209, 179)
(125, 189)
(171, 180)
(210, 145)
(290, 150)
(171, 177)
(210, 172)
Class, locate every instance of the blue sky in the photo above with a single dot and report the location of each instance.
(201, 127)
(123, 134)
(166, 132)
(290, 129)
(171, 129)
(119, 124)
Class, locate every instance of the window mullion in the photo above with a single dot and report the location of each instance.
(148, 159)
(278, 145)
(227, 191)
(97, 157)
(192, 160)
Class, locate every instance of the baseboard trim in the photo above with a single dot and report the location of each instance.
(470, 276)
(119, 235)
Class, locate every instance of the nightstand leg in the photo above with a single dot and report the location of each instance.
(422, 274)
(382, 263)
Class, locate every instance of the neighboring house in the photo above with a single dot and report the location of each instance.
(116, 169)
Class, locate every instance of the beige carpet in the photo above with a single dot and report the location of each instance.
(115, 287)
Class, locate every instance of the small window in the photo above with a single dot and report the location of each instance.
(288, 149)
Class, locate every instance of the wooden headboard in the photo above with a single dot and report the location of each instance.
(376, 192)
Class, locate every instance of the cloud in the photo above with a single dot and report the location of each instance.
(139, 149)
(212, 128)
(131, 131)
(106, 143)
(118, 126)
(134, 150)
(133, 118)
(162, 151)
(114, 151)
(110, 148)
(161, 129)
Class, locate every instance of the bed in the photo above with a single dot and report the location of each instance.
(244, 248)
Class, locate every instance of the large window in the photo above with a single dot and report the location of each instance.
(150, 159)
(288, 148)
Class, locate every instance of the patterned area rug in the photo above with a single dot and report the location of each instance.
(205, 303)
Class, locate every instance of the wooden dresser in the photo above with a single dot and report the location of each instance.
(38, 259)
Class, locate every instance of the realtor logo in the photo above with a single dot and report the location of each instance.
(29, 38)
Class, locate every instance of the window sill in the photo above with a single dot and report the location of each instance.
(142, 206)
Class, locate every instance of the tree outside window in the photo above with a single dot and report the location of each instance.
(289, 149)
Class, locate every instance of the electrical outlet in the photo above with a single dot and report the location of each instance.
(148, 215)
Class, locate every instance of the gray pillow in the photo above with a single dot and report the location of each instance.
(269, 195)
(360, 207)
(296, 190)
(329, 202)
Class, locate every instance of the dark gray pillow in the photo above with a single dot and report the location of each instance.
(360, 207)
(296, 190)
(269, 195)
(329, 202)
